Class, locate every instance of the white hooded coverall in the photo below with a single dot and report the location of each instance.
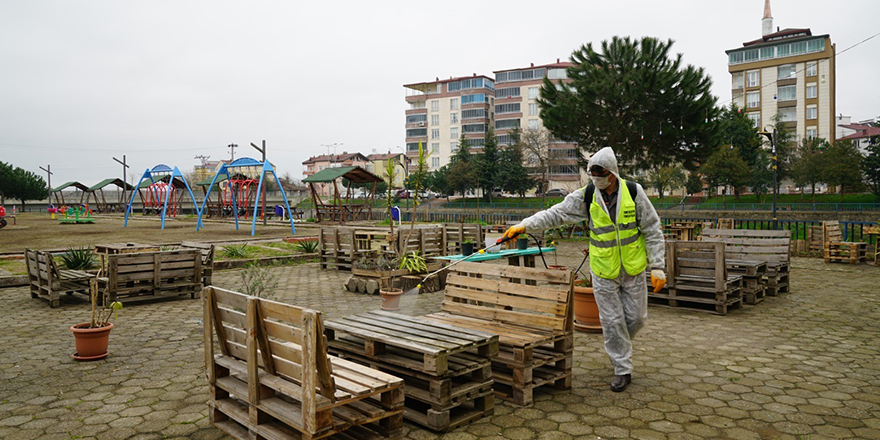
(622, 302)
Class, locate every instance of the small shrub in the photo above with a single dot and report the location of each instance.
(414, 262)
(307, 247)
(236, 251)
(311, 220)
(78, 258)
(258, 281)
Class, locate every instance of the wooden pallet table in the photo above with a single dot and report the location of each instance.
(273, 377)
(772, 247)
(752, 272)
(446, 369)
(698, 278)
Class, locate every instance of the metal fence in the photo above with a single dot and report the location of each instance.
(780, 207)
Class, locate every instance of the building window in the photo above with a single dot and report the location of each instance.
(812, 91)
(811, 69)
(507, 92)
(564, 169)
(453, 146)
(753, 78)
(435, 119)
(787, 114)
(416, 132)
(412, 146)
(786, 71)
(812, 133)
(533, 124)
(504, 124)
(435, 133)
(756, 118)
(415, 119)
(453, 132)
(453, 104)
(477, 113)
(786, 93)
(435, 105)
(812, 112)
(474, 128)
(479, 142)
(435, 163)
(435, 148)
(737, 81)
(502, 139)
(533, 109)
(507, 108)
(474, 99)
(453, 118)
(768, 52)
(533, 93)
(753, 99)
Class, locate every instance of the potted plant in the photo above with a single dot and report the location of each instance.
(586, 312)
(522, 242)
(411, 262)
(556, 265)
(467, 246)
(93, 337)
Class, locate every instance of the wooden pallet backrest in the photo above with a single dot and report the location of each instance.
(41, 266)
(455, 233)
(427, 241)
(831, 232)
(755, 245)
(503, 294)
(273, 338)
(697, 258)
(155, 266)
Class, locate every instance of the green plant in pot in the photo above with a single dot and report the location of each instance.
(467, 246)
(92, 338)
(522, 241)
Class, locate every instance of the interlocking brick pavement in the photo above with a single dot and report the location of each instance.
(800, 366)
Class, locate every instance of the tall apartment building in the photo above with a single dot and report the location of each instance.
(790, 72)
(441, 110)
(516, 105)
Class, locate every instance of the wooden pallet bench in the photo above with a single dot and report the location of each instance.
(698, 278)
(772, 247)
(839, 251)
(752, 273)
(446, 369)
(531, 312)
(47, 281)
(207, 250)
(273, 377)
(144, 275)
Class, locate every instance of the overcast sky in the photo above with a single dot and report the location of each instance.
(164, 81)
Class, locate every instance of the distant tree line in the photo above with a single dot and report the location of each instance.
(18, 183)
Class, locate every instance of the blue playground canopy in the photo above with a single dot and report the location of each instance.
(245, 162)
(156, 174)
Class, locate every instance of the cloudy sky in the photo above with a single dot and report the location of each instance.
(164, 81)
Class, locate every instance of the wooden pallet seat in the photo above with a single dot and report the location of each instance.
(273, 377)
(47, 281)
(143, 275)
(697, 277)
(531, 312)
(772, 247)
(207, 251)
(837, 250)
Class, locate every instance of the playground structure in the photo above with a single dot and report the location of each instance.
(59, 193)
(339, 208)
(161, 184)
(2, 217)
(76, 214)
(238, 192)
(101, 205)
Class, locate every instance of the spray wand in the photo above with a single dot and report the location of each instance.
(500, 241)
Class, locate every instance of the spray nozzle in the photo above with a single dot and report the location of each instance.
(419, 286)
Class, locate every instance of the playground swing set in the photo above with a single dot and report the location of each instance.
(161, 193)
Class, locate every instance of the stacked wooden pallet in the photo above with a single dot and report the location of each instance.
(772, 247)
(839, 251)
(816, 240)
(531, 312)
(339, 246)
(147, 275)
(752, 273)
(446, 369)
(698, 279)
(273, 378)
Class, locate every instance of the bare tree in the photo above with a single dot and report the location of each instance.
(535, 143)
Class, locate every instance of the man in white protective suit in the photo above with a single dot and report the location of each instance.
(625, 241)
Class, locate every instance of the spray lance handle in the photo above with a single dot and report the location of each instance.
(503, 240)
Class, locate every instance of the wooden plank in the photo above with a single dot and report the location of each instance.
(397, 330)
(746, 233)
(553, 276)
(309, 371)
(439, 328)
(505, 316)
(357, 329)
(234, 299)
(496, 299)
(551, 293)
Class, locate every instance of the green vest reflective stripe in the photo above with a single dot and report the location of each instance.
(614, 243)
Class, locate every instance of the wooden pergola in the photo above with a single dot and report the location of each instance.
(59, 194)
(101, 204)
(341, 208)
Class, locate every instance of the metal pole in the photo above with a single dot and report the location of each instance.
(48, 171)
(124, 177)
(263, 190)
(775, 187)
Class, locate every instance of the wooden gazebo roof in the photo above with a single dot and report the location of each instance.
(353, 174)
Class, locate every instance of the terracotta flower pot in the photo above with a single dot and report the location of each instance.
(91, 343)
(391, 298)
(586, 312)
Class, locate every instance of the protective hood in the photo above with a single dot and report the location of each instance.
(605, 158)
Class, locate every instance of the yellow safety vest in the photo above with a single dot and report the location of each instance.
(612, 243)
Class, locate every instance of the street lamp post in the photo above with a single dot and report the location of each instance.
(771, 136)
(405, 174)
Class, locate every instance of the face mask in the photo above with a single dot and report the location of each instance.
(601, 182)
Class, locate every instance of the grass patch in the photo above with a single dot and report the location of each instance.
(15, 267)
(781, 198)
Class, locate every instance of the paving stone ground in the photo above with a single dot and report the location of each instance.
(804, 365)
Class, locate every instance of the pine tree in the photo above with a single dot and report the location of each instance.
(513, 176)
(725, 167)
(487, 165)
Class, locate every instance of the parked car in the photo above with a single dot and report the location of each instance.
(555, 192)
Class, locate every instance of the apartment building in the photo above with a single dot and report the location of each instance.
(790, 72)
(317, 163)
(379, 162)
(441, 110)
(516, 106)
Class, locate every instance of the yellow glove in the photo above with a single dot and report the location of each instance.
(658, 279)
(513, 231)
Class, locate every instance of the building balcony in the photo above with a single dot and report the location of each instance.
(791, 125)
(417, 111)
(503, 116)
(786, 82)
(416, 98)
(784, 104)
